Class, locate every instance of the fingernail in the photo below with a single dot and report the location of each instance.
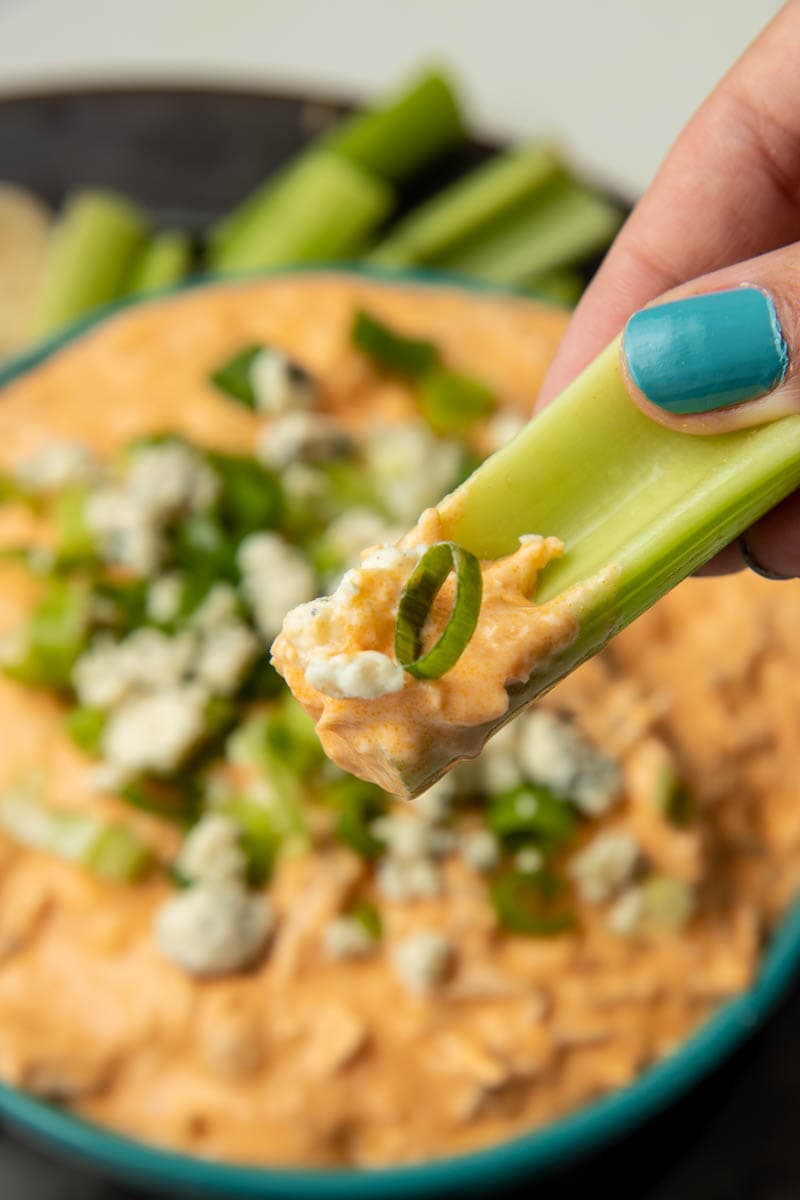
(706, 352)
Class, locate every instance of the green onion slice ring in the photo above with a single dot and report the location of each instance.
(415, 605)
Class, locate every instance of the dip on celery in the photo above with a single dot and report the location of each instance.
(214, 939)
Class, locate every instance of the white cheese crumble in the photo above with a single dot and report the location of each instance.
(480, 850)
(345, 937)
(155, 732)
(421, 961)
(405, 836)
(501, 428)
(660, 904)
(212, 852)
(529, 860)
(359, 529)
(435, 804)
(604, 865)
(213, 928)
(364, 675)
(275, 579)
(164, 597)
(147, 659)
(411, 468)
(403, 879)
(300, 435)
(57, 465)
(221, 604)
(279, 384)
(554, 753)
(225, 656)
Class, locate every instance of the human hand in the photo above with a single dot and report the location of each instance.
(724, 213)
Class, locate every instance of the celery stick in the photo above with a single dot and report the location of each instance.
(563, 224)
(392, 141)
(638, 507)
(324, 207)
(413, 127)
(95, 242)
(163, 261)
(561, 285)
(471, 204)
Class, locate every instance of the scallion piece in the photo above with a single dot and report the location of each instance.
(415, 605)
(391, 351)
(85, 726)
(357, 805)
(233, 377)
(530, 812)
(368, 916)
(113, 851)
(451, 402)
(75, 542)
(260, 836)
(56, 634)
(527, 903)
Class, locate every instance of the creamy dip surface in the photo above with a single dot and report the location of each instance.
(319, 1052)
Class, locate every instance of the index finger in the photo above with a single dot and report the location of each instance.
(729, 189)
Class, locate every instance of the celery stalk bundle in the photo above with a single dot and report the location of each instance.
(634, 503)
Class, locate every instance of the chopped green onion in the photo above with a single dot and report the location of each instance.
(675, 799)
(452, 402)
(95, 243)
(251, 497)
(260, 837)
(126, 602)
(368, 917)
(73, 537)
(207, 553)
(357, 805)
(470, 206)
(174, 799)
(415, 605)
(290, 734)
(527, 903)
(262, 683)
(530, 812)
(391, 351)
(85, 726)
(107, 849)
(321, 207)
(164, 261)
(233, 377)
(54, 637)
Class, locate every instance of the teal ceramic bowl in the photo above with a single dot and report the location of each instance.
(482, 1172)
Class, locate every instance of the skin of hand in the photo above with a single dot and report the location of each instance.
(723, 213)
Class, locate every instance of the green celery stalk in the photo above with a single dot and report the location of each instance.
(94, 244)
(561, 285)
(563, 224)
(638, 507)
(410, 129)
(470, 205)
(165, 260)
(391, 141)
(322, 207)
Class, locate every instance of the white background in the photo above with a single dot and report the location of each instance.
(615, 79)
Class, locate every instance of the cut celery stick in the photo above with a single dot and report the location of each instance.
(638, 507)
(163, 261)
(411, 128)
(95, 242)
(562, 225)
(561, 286)
(392, 141)
(467, 206)
(322, 208)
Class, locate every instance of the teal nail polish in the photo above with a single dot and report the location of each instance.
(706, 352)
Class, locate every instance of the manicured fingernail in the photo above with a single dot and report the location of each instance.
(706, 352)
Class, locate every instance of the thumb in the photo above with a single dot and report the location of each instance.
(717, 354)
(722, 353)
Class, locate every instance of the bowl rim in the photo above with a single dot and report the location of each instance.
(561, 1141)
